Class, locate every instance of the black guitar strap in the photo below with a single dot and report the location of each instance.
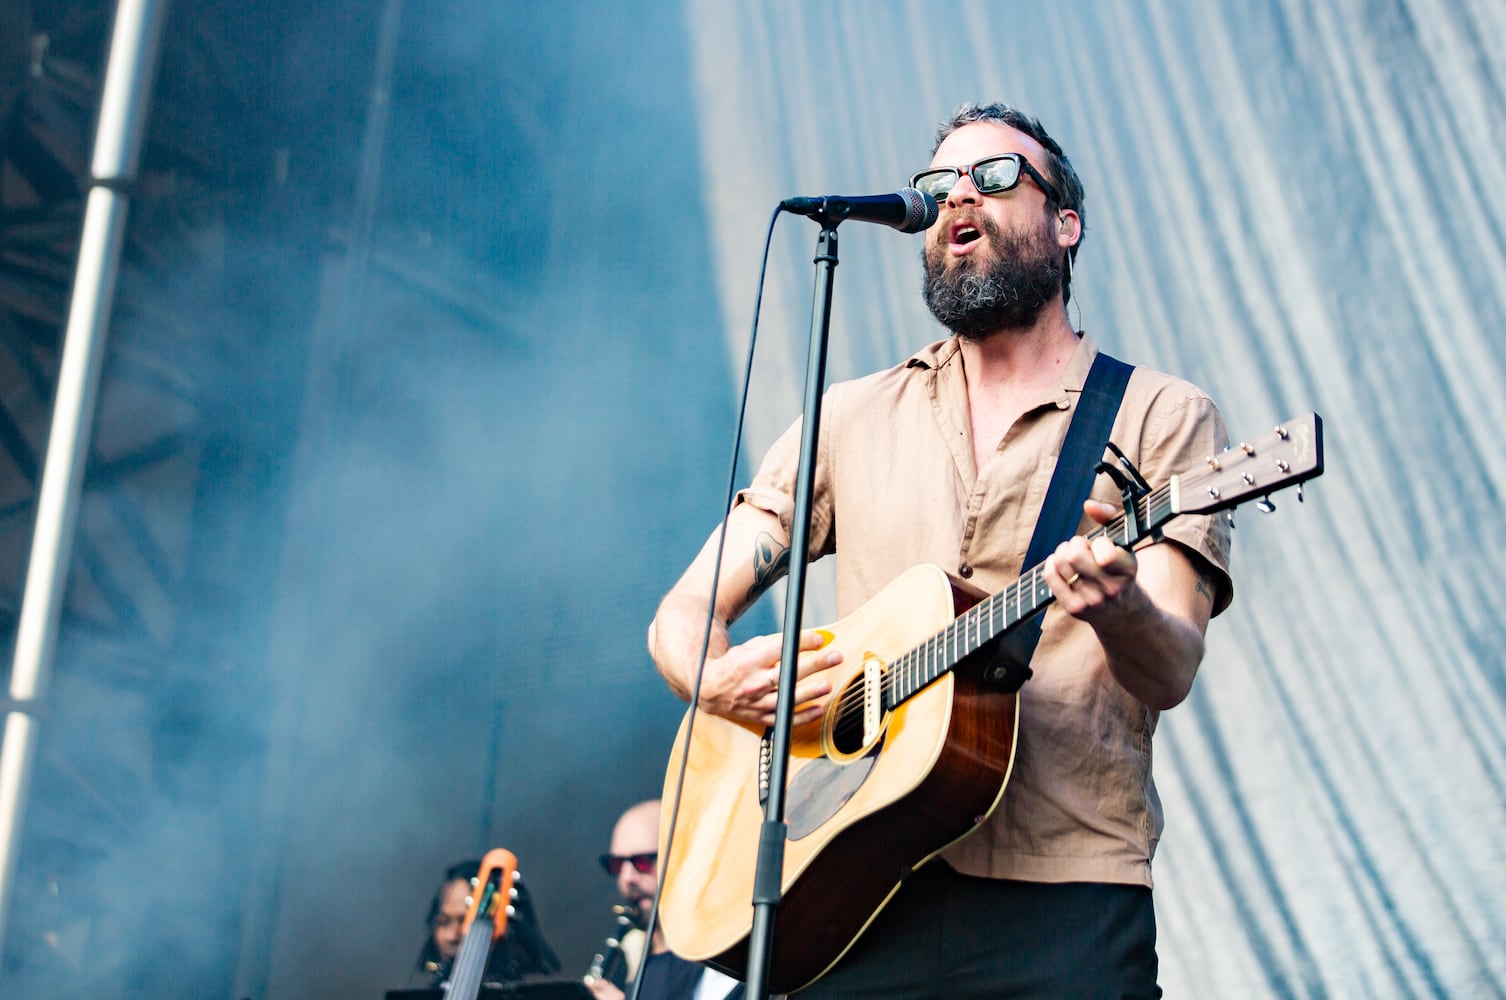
(1071, 484)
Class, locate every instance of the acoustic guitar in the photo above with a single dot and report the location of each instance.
(910, 756)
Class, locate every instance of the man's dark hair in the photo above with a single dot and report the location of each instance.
(1058, 168)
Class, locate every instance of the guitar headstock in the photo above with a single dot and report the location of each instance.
(1289, 455)
(492, 890)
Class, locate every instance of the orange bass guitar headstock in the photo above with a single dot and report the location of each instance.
(492, 890)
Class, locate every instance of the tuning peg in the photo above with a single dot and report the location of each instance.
(512, 911)
(1265, 505)
(1300, 497)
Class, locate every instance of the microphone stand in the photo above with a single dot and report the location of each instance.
(769, 872)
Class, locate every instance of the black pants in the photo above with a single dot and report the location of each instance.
(946, 935)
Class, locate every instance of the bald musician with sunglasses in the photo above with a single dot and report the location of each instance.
(634, 862)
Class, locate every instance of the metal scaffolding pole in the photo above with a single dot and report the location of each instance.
(117, 153)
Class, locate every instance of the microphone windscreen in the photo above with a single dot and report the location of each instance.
(923, 210)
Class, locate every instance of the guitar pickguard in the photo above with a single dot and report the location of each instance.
(822, 788)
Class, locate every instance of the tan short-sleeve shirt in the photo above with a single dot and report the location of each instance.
(896, 485)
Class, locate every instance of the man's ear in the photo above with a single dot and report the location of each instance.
(1069, 227)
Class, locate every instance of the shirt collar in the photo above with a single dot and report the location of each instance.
(936, 355)
(943, 352)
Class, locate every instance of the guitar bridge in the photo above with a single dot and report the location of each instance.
(873, 699)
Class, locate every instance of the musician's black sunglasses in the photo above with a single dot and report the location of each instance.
(642, 863)
(991, 175)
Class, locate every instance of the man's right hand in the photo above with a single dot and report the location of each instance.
(739, 682)
(742, 683)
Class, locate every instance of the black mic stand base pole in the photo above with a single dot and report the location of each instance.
(769, 874)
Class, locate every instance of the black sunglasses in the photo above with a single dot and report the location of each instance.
(642, 863)
(991, 175)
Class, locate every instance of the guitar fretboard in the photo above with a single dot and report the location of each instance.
(470, 962)
(997, 614)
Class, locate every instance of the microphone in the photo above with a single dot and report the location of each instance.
(908, 210)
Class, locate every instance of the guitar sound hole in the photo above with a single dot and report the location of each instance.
(847, 723)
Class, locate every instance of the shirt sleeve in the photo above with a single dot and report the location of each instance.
(773, 488)
(1184, 429)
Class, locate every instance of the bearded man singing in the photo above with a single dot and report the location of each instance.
(946, 459)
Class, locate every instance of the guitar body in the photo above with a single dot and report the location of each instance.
(859, 816)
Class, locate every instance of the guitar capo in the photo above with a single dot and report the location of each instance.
(1134, 488)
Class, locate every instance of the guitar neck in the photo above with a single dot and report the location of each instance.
(1288, 456)
(995, 615)
(491, 889)
(470, 962)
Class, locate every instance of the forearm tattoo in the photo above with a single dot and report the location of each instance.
(771, 560)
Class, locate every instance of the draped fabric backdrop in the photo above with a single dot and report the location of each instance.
(1299, 207)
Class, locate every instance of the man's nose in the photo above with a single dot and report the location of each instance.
(963, 192)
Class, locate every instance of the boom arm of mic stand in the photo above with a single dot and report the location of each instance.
(769, 874)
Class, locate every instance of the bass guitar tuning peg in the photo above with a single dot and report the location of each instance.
(1265, 505)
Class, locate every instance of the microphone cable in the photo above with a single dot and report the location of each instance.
(716, 573)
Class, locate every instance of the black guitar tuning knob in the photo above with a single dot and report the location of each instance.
(1265, 505)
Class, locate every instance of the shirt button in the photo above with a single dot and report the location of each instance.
(965, 571)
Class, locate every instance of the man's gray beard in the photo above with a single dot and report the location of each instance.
(1025, 274)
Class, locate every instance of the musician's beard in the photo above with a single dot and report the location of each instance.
(1002, 286)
